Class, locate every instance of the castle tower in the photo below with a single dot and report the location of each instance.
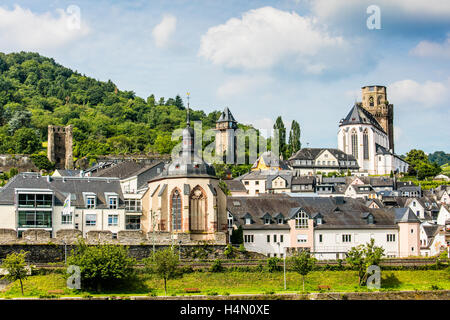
(226, 126)
(59, 146)
(374, 100)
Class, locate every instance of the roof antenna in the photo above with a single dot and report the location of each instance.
(188, 122)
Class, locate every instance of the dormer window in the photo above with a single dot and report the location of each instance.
(280, 220)
(266, 221)
(370, 219)
(113, 202)
(248, 220)
(319, 220)
(90, 202)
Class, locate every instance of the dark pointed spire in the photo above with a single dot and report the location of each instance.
(188, 121)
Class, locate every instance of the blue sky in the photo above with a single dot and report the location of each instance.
(301, 59)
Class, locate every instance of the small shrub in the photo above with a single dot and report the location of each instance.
(228, 252)
(435, 287)
(226, 293)
(272, 264)
(212, 293)
(216, 266)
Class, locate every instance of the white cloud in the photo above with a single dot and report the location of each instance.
(265, 37)
(427, 94)
(21, 29)
(239, 85)
(164, 30)
(432, 49)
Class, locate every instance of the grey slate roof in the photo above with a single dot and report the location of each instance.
(405, 215)
(359, 115)
(125, 169)
(62, 186)
(235, 185)
(226, 116)
(337, 214)
(303, 180)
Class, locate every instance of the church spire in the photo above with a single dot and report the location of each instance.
(188, 121)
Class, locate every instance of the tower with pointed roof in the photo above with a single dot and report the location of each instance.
(374, 100)
(226, 127)
(366, 133)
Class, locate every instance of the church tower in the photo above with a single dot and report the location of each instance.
(226, 127)
(374, 100)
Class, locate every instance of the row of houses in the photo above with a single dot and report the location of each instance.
(272, 224)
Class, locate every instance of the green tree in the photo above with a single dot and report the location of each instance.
(280, 134)
(16, 267)
(41, 162)
(163, 263)
(26, 140)
(294, 138)
(414, 157)
(237, 236)
(363, 256)
(303, 263)
(179, 102)
(102, 265)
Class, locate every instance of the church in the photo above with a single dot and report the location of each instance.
(185, 200)
(367, 133)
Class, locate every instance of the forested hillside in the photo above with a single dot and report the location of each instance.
(35, 92)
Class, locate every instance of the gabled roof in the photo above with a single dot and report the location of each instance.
(405, 215)
(359, 115)
(62, 186)
(313, 153)
(126, 169)
(226, 116)
(303, 180)
(235, 185)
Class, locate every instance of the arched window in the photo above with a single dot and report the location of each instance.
(301, 220)
(371, 101)
(379, 100)
(344, 142)
(197, 210)
(354, 144)
(366, 144)
(176, 211)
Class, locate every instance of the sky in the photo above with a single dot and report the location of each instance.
(303, 60)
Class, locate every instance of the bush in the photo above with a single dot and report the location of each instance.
(216, 266)
(272, 264)
(242, 248)
(228, 252)
(102, 266)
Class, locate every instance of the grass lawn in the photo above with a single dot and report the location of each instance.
(243, 282)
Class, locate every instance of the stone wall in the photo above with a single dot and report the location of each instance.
(126, 237)
(22, 162)
(51, 252)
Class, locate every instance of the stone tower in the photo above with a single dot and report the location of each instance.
(59, 146)
(226, 127)
(374, 100)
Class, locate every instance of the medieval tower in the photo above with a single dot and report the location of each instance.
(59, 146)
(374, 100)
(226, 127)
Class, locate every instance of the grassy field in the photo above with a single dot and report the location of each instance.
(242, 282)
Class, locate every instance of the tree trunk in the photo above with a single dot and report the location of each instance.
(165, 286)
(303, 280)
(21, 285)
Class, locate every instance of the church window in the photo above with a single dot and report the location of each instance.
(197, 210)
(366, 144)
(354, 144)
(371, 101)
(379, 100)
(176, 210)
(344, 143)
